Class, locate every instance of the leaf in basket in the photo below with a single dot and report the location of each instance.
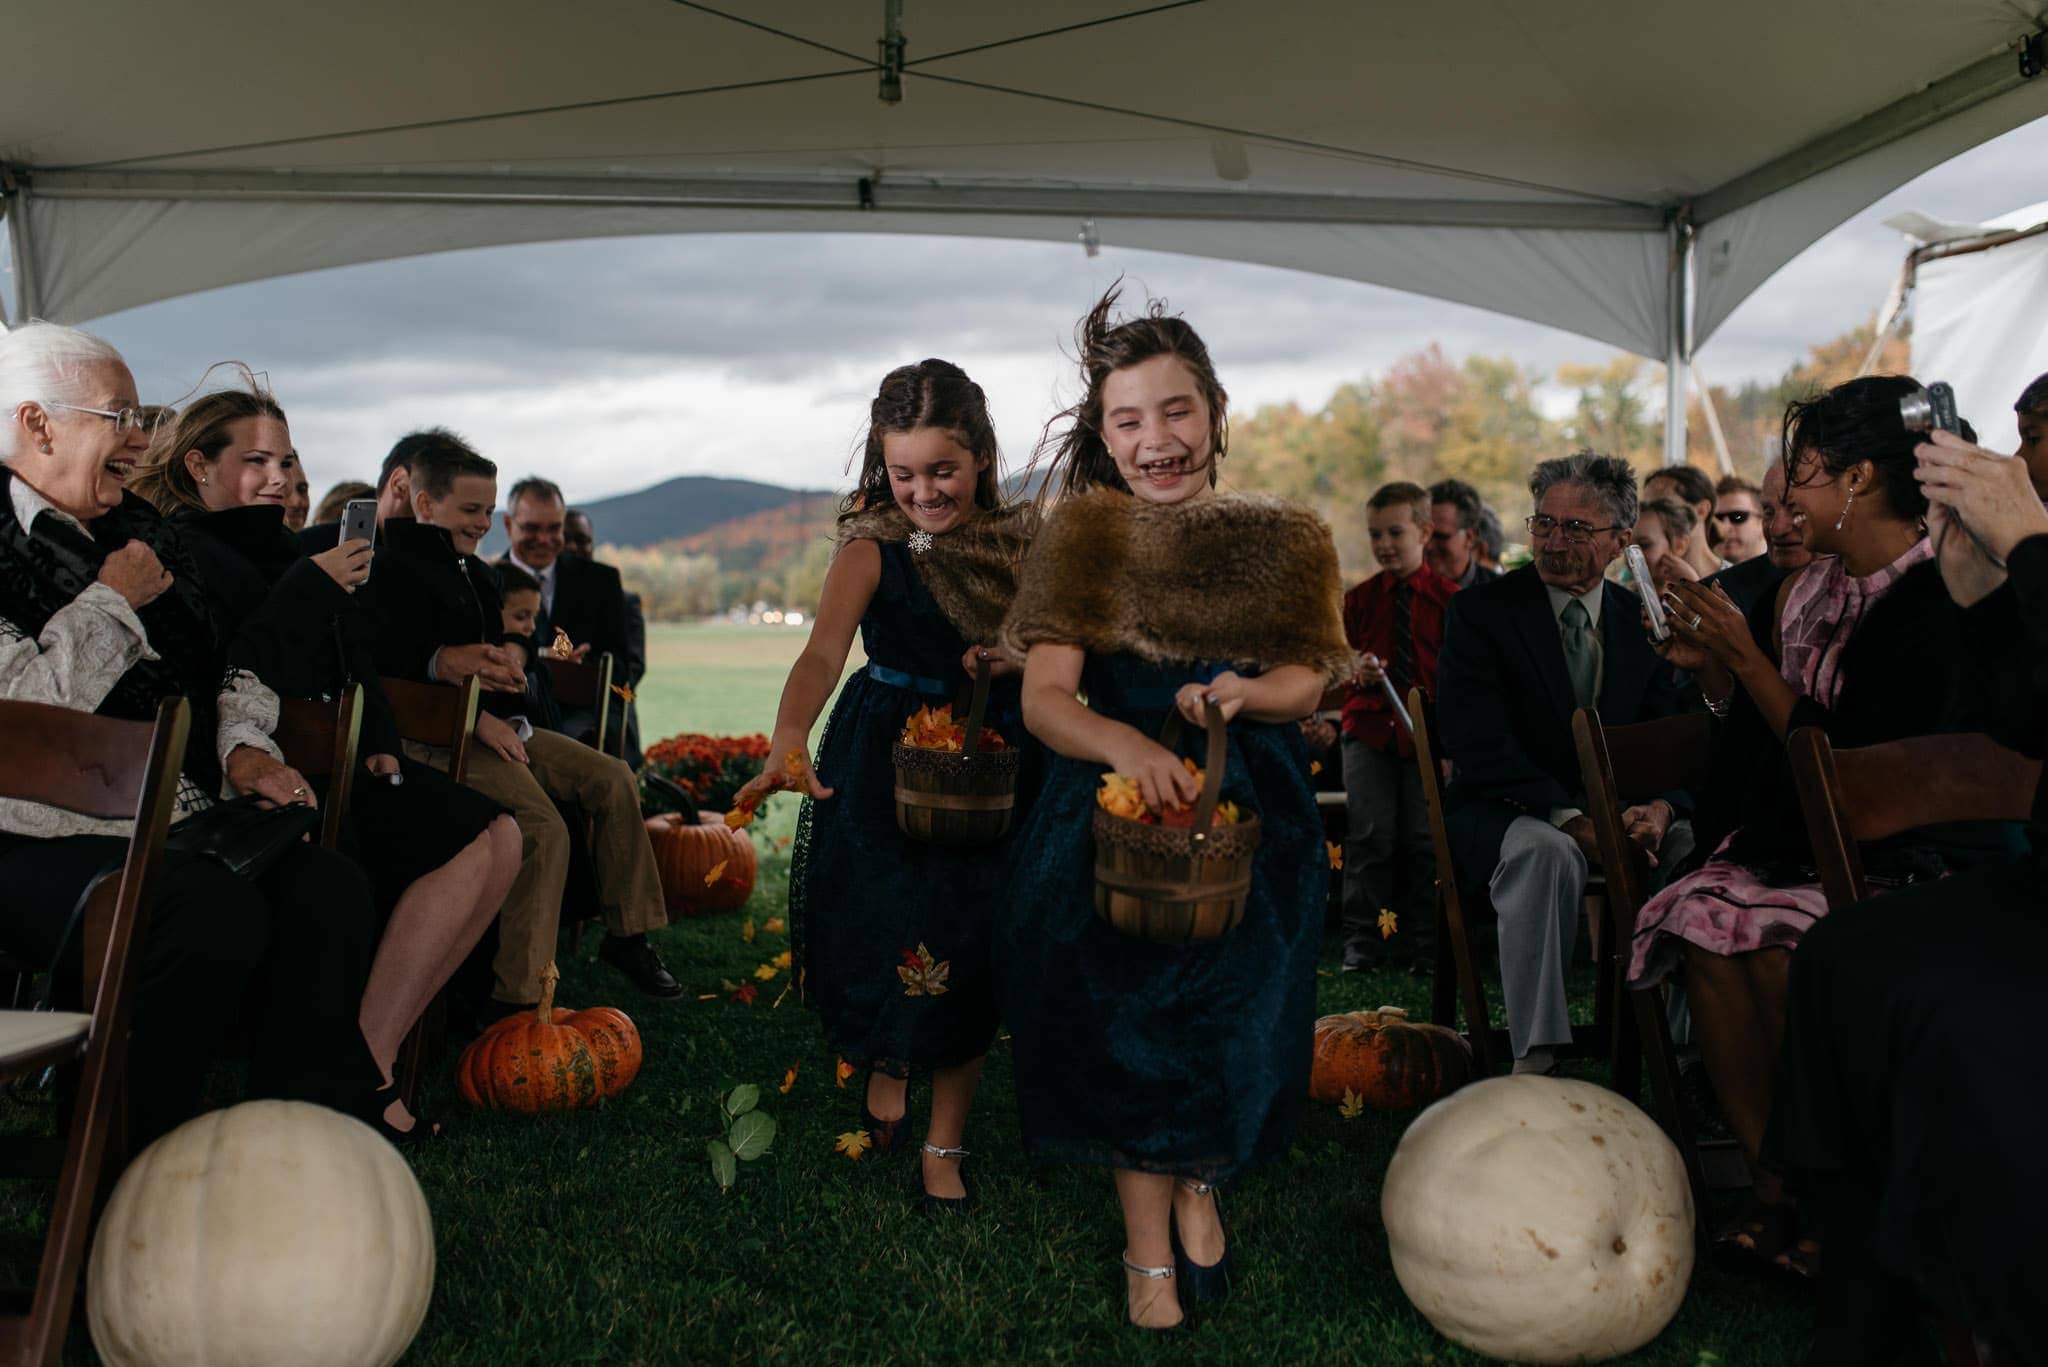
(1389, 923)
(1119, 796)
(922, 975)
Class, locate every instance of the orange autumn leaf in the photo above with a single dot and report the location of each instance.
(625, 692)
(766, 972)
(1315, 766)
(1352, 1106)
(1119, 796)
(789, 1079)
(853, 1144)
(745, 995)
(773, 925)
(1389, 923)
(931, 728)
(794, 767)
(1336, 853)
(783, 843)
(922, 975)
(717, 872)
(561, 648)
(747, 930)
(840, 1072)
(781, 960)
(742, 813)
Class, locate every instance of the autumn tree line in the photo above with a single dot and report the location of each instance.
(1426, 418)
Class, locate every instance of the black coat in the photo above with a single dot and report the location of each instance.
(2005, 669)
(428, 595)
(1504, 707)
(292, 625)
(1749, 582)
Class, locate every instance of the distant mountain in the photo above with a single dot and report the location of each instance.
(675, 509)
(763, 542)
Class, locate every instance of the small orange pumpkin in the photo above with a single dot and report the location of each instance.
(614, 1042)
(530, 1062)
(685, 855)
(1394, 1063)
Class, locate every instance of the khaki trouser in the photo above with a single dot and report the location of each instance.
(603, 788)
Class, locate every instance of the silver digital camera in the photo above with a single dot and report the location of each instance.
(1925, 410)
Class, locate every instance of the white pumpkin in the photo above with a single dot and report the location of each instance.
(270, 1234)
(1540, 1219)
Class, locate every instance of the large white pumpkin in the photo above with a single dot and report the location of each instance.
(1539, 1219)
(270, 1234)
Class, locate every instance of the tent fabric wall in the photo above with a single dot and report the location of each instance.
(1980, 322)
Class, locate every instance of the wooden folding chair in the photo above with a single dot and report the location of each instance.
(319, 739)
(442, 716)
(1456, 979)
(1619, 762)
(1853, 797)
(588, 683)
(115, 770)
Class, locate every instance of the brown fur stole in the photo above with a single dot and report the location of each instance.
(971, 570)
(1243, 579)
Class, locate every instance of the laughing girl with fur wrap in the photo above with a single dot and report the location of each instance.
(1179, 1066)
(892, 935)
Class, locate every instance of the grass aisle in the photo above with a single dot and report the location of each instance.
(601, 1237)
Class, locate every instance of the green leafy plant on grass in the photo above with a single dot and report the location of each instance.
(748, 1133)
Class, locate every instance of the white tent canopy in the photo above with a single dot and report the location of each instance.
(1622, 170)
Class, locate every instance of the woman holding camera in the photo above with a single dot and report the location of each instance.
(100, 611)
(440, 856)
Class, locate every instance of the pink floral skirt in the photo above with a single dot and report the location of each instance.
(1724, 909)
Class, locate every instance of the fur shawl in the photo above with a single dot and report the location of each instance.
(1248, 580)
(971, 570)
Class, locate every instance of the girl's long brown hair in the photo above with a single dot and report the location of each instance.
(202, 426)
(932, 393)
(1075, 457)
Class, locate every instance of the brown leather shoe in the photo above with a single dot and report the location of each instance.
(636, 957)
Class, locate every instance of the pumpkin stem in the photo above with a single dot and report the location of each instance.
(1399, 1013)
(545, 1012)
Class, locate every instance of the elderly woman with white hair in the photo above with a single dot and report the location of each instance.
(99, 611)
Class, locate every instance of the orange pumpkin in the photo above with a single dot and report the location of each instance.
(685, 855)
(1394, 1063)
(530, 1062)
(614, 1042)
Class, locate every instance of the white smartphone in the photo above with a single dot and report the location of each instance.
(1653, 607)
(358, 520)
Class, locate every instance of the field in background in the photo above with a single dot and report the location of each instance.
(717, 678)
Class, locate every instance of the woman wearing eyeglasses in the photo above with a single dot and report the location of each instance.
(1861, 643)
(99, 612)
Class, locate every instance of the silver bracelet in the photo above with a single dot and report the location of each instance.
(1718, 709)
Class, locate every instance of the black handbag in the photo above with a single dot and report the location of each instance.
(241, 836)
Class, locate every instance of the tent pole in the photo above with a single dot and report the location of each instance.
(27, 299)
(1677, 338)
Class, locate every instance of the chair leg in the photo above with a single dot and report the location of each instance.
(1443, 979)
(1478, 1022)
(1656, 1037)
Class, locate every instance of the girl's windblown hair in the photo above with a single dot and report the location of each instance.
(932, 393)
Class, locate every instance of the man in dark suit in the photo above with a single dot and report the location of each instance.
(394, 490)
(1453, 550)
(577, 596)
(1520, 654)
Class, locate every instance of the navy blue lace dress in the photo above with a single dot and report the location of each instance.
(864, 899)
(1190, 1060)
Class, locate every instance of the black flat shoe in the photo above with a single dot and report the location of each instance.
(1203, 1285)
(423, 1130)
(636, 957)
(929, 1204)
(885, 1137)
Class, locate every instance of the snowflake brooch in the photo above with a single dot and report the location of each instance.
(920, 542)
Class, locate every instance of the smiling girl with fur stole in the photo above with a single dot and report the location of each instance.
(1178, 1066)
(892, 935)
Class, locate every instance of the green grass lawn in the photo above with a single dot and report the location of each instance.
(601, 1236)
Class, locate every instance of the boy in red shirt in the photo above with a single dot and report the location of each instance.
(1396, 620)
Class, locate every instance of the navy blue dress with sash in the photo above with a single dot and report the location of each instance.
(863, 896)
(1190, 1060)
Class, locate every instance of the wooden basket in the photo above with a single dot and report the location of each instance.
(963, 797)
(1172, 884)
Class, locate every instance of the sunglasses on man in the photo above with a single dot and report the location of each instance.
(1734, 519)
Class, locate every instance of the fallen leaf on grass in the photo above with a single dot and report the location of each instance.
(747, 930)
(853, 1144)
(766, 971)
(745, 995)
(783, 843)
(781, 960)
(840, 1072)
(1353, 1105)
(789, 1079)
(773, 925)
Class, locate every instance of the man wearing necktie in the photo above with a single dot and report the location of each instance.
(1520, 655)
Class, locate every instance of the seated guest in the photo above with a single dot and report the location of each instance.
(519, 604)
(1396, 620)
(1489, 539)
(101, 611)
(2032, 408)
(1665, 529)
(1860, 643)
(1783, 528)
(1914, 1098)
(439, 619)
(1454, 514)
(1520, 654)
(577, 595)
(579, 538)
(1690, 486)
(298, 501)
(339, 497)
(440, 857)
(393, 493)
(1738, 519)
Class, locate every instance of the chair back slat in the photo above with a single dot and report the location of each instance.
(320, 739)
(436, 714)
(1617, 763)
(1874, 792)
(588, 684)
(61, 757)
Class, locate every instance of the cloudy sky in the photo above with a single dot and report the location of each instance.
(611, 365)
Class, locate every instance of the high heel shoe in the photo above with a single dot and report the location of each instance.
(372, 1114)
(952, 1205)
(884, 1136)
(1204, 1285)
(1157, 1274)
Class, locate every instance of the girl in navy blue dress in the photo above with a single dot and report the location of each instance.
(891, 935)
(1179, 1066)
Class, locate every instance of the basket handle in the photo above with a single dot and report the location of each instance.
(1212, 772)
(978, 708)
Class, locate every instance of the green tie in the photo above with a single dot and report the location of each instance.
(1580, 661)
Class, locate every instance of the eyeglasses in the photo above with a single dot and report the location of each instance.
(1734, 519)
(125, 419)
(1576, 533)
